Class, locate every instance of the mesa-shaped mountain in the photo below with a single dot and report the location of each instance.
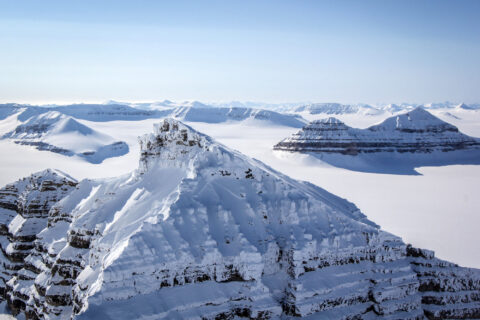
(56, 132)
(417, 131)
(202, 231)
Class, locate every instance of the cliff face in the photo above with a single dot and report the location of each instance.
(24, 213)
(201, 231)
(417, 131)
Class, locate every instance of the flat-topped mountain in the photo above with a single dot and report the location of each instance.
(202, 231)
(417, 131)
(56, 132)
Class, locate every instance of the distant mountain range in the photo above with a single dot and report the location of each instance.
(113, 110)
(193, 112)
(56, 132)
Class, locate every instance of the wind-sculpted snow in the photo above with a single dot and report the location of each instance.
(400, 143)
(55, 132)
(200, 231)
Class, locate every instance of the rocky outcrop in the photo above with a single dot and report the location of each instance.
(201, 231)
(417, 131)
(24, 209)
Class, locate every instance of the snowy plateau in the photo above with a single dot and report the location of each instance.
(182, 226)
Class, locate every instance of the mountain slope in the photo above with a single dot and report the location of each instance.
(55, 132)
(201, 231)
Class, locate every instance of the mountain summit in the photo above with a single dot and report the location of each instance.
(202, 231)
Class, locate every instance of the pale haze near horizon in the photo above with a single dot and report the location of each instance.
(272, 51)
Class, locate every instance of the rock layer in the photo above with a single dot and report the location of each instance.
(417, 131)
(25, 211)
(201, 231)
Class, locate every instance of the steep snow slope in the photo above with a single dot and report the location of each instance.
(55, 132)
(200, 230)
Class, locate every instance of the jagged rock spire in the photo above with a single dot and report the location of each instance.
(172, 143)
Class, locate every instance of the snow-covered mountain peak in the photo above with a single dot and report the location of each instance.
(49, 123)
(56, 132)
(329, 120)
(53, 174)
(172, 144)
(330, 123)
(68, 124)
(417, 120)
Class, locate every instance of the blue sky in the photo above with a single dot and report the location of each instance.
(273, 51)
